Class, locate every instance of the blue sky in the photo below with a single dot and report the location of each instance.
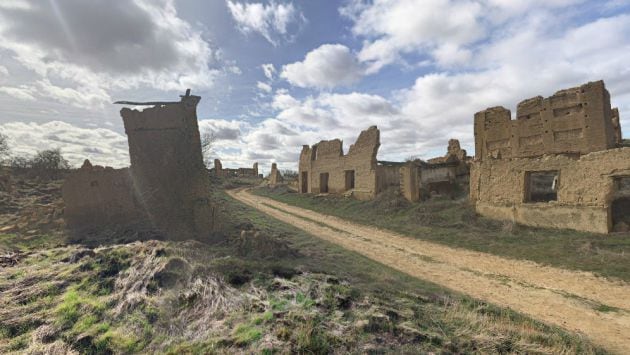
(274, 75)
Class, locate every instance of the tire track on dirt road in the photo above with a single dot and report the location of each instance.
(570, 299)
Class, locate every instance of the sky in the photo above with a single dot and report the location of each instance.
(275, 75)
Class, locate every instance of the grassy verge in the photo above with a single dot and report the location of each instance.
(267, 288)
(454, 223)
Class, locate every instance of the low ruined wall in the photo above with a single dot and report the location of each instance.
(387, 176)
(585, 189)
(410, 182)
(99, 198)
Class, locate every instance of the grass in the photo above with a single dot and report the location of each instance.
(454, 223)
(287, 292)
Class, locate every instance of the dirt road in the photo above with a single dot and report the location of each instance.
(577, 301)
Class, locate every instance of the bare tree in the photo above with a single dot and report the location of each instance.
(289, 174)
(207, 144)
(49, 163)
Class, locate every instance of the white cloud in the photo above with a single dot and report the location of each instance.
(269, 70)
(4, 70)
(327, 66)
(272, 21)
(102, 146)
(23, 93)
(446, 30)
(392, 29)
(223, 130)
(89, 50)
(264, 87)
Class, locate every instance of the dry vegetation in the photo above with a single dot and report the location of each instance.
(455, 223)
(268, 288)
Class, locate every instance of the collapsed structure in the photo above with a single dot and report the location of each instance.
(219, 170)
(275, 177)
(442, 175)
(323, 168)
(559, 164)
(166, 186)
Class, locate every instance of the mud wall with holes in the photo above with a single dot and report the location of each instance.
(579, 120)
(325, 160)
(167, 167)
(99, 197)
(586, 188)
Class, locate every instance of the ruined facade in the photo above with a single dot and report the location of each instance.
(218, 170)
(556, 165)
(166, 186)
(323, 168)
(275, 177)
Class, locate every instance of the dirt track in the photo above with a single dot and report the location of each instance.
(570, 299)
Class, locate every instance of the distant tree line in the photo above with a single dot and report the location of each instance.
(48, 163)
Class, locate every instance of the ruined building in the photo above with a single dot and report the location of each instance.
(556, 165)
(323, 168)
(219, 170)
(166, 186)
(275, 177)
(442, 175)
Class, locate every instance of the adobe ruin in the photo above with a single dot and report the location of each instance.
(275, 177)
(437, 176)
(219, 170)
(323, 168)
(166, 186)
(556, 165)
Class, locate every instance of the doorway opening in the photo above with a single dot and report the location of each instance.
(323, 183)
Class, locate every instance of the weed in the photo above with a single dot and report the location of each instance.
(245, 334)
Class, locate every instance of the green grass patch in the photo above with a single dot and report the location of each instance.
(245, 334)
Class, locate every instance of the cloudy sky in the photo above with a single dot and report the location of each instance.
(277, 74)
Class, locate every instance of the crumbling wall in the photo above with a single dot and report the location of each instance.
(447, 174)
(585, 189)
(218, 168)
(275, 177)
(410, 181)
(577, 120)
(616, 126)
(387, 175)
(99, 197)
(167, 167)
(554, 166)
(324, 168)
(238, 172)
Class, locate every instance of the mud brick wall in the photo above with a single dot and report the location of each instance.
(99, 197)
(577, 120)
(167, 167)
(326, 157)
(387, 176)
(585, 189)
(410, 181)
(239, 172)
(275, 177)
